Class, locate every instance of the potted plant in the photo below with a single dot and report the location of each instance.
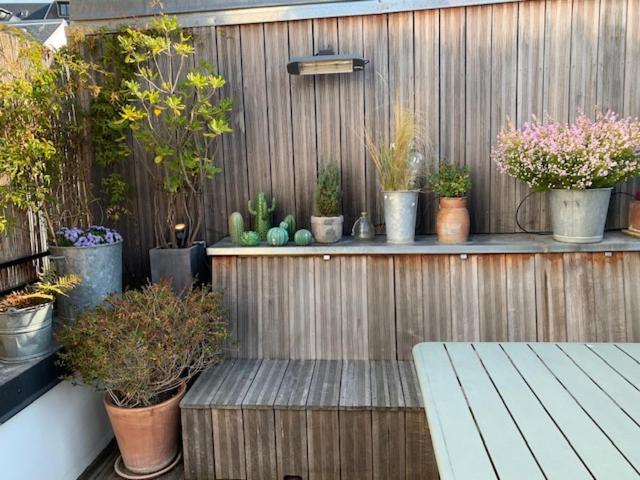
(400, 172)
(326, 225)
(578, 164)
(142, 347)
(26, 318)
(47, 170)
(175, 115)
(451, 184)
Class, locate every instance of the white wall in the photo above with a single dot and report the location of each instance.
(56, 437)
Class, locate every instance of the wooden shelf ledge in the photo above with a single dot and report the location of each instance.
(428, 245)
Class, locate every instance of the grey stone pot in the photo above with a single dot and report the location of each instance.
(400, 216)
(100, 271)
(181, 265)
(327, 229)
(579, 216)
(26, 334)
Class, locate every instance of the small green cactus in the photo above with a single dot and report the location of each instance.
(262, 212)
(249, 238)
(303, 238)
(236, 226)
(290, 220)
(277, 236)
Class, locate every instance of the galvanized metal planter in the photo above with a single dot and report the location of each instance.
(400, 216)
(579, 216)
(26, 334)
(181, 265)
(100, 271)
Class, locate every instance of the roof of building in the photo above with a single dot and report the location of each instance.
(28, 11)
(41, 31)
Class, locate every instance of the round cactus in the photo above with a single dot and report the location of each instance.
(236, 226)
(250, 238)
(303, 238)
(291, 225)
(277, 237)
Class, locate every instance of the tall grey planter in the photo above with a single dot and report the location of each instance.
(100, 272)
(25, 334)
(182, 266)
(400, 216)
(579, 216)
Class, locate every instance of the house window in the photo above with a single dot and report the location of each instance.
(63, 9)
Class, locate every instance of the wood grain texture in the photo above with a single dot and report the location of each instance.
(224, 278)
(608, 282)
(631, 263)
(381, 315)
(521, 298)
(249, 278)
(323, 436)
(291, 443)
(302, 309)
(410, 319)
(354, 301)
(260, 444)
(197, 444)
(465, 308)
(579, 297)
(328, 308)
(273, 308)
(550, 298)
(228, 438)
(492, 297)
(356, 460)
(437, 297)
(388, 445)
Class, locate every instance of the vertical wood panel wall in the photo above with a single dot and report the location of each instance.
(379, 306)
(464, 71)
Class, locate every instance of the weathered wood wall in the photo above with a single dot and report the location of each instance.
(379, 307)
(463, 70)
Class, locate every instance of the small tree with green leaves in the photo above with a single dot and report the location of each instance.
(328, 194)
(175, 113)
(450, 181)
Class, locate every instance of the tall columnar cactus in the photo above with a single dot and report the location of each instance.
(262, 212)
(236, 226)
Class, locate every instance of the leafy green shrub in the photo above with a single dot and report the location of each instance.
(139, 346)
(328, 194)
(450, 181)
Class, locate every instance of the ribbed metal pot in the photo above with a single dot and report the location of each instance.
(579, 216)
(100, 270)
(26, 333)
(400, 216)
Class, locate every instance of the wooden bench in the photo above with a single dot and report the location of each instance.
(532, 411)
(306, 419)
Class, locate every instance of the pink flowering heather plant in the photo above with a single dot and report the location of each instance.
(585, 154)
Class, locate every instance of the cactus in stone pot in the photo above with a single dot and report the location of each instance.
(236, 226)
(249, 238)
(262, 212)
(277, 236)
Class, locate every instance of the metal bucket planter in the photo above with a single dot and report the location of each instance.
(26, 334)
(100, 271)
(181, 265)
(579, 216)
(400, 216)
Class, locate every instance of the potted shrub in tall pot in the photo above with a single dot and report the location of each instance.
(175, 115)
(451, 184)
(327, 224)
(400, 172)
(579, 164)
(142, 347)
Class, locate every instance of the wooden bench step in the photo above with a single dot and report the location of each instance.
(306, 419)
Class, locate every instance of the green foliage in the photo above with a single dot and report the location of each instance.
(450, 181)
(175, 113)
(139, 346)
(328, 194)
(41, 292)
(249, 238)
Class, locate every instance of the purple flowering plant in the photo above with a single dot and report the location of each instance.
(585, 154)
(93, 236)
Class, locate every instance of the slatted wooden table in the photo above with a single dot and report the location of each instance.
(532, 410)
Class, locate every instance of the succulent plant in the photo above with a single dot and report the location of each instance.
(249, 238)
(236, 226)
(262, 212)
(303, 238)
(277, 237)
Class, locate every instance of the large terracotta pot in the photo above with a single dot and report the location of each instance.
(634, 216)
(452, 223)
(147, 437)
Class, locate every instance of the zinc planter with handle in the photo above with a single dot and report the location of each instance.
(400, 216)
(579, 216)
(26, 333)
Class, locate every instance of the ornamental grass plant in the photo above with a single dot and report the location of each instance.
(586, 154)
(141, 345)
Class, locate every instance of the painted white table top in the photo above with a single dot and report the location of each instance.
(532, 410)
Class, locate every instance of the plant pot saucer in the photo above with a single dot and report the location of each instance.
(123, 472)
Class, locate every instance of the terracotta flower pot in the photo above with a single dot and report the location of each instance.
(148, 436)
(453, 222)
(634, 216)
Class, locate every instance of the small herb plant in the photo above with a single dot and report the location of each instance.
(328, 194)
(450, 181)
(393, 162)
(140, 345)
(41, 292)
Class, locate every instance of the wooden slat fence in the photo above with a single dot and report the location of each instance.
(379, 307)
(464, 71)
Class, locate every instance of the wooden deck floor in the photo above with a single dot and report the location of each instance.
(102, 467)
